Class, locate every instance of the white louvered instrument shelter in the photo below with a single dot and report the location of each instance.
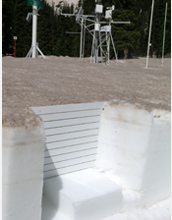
(71, 136)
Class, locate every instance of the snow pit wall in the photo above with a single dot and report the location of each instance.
(22, 175)
(134, 152)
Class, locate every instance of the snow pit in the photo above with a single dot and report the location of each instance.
(130, 180)
(134, 152)
(22, 176)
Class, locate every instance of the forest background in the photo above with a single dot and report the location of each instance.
(53, 30)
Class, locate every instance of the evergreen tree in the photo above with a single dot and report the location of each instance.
(21, 28)
(143, 13)
(7, 35)
(157, 27)
(45, 27)
(125, 36)
(168, 30)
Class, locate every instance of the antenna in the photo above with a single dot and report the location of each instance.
(36, 5)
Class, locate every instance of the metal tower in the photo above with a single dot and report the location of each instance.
(101, 35)
(36, 5)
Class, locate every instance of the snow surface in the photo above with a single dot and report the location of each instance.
(159, 211)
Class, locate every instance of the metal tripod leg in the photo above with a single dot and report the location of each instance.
(114, 47)
(29, 53)
(108, 46)
(40, 51)
(100, 41)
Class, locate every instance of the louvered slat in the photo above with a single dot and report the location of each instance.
(73, 135)
(66, 163)
(71, 122)
(69, 149)
(68, 156)
(74, 168)
(70, 115)
(67, 108)
(71, 142)
(76, 128)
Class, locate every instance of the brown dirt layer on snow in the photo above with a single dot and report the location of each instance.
(64, 80)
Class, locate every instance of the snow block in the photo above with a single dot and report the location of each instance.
(22, 172)
(83, 195)
(134, 150)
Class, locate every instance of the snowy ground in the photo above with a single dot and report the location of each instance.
(64, 80)
(159, 211)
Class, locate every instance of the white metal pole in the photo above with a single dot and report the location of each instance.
(81, 38)
(149, 38)
(83, 50)
(164, 33)
(34, 32)
(91, 57)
